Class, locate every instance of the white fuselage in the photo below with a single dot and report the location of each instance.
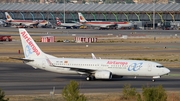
(125, 25)
(102, 24)
(92, 68)
(116, 67)
(23, 22)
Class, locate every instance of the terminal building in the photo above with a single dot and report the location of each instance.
(139, 14)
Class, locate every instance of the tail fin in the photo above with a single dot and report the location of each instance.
(8, 17)
(58, 22)
(31, 49)
(81, 17)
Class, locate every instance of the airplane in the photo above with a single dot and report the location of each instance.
(103, 24)
(67, 25)
(124, 25)
(44, 24)
(100, 24)
(22, 23)
(91, 68)
(2, 22)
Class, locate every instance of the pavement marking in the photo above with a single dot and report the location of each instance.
(173, 75)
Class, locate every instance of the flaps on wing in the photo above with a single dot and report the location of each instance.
(23, 59)
(82, 70)
(86, 70)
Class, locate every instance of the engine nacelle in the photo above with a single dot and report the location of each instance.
(104, 74)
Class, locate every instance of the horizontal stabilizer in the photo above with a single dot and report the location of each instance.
(23, 59)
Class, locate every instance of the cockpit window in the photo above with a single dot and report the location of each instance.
(159, 66)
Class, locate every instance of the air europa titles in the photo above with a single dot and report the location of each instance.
(117, 63)
(30, 43)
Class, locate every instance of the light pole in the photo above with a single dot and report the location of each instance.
(154, 1)
(64, 10)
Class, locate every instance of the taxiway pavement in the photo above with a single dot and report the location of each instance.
(89, 32)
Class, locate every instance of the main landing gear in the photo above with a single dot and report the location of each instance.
(153, 80)
(90, 78)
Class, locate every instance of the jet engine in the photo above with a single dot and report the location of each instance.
(104, 74)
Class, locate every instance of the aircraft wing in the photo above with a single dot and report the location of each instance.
(86, 70)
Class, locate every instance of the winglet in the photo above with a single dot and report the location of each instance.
(93, 56)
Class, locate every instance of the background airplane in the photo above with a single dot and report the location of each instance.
(44, 24)
(100, 24)
(124, 25)
(22, 23)
(67, 25)
(2, 22)
(104, 24)
(91, 68)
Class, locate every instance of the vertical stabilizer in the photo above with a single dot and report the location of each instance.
(30, 48)
(81, 17)
(58, 22)
(8, 17)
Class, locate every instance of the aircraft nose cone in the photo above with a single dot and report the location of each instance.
(167, 71)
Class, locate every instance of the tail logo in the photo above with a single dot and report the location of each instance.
(30, 43)
(28, 51)
(57, 21)
(135, 66)
(8, 17)
(81, 18)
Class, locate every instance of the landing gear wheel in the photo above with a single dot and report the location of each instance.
(88, 78)
(153, 80)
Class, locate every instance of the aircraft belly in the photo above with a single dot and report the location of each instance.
(65, 71)
(60, 70)
(120, 72)
(125, 72)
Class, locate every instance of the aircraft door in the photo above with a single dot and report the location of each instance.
(149, 67)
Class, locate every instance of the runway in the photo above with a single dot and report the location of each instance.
(16, 79)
